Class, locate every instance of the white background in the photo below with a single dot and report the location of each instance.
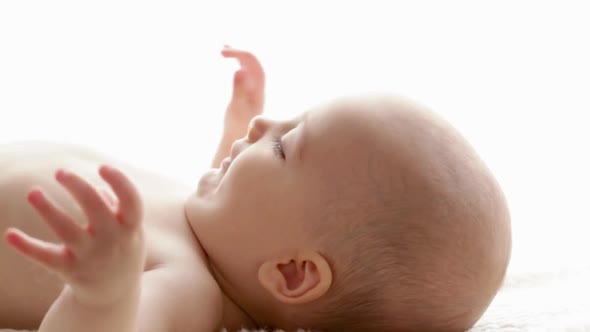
(144, 81)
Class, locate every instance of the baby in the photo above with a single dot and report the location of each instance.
(364, 214)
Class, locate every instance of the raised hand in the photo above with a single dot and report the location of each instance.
(248, 91)
(102, 260)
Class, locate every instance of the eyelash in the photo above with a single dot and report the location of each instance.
(278, 148)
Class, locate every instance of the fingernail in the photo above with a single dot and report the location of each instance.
(11, 238)
(33, 196)
(119, 217)
(90, 229)
(59, 175)
(68, 253)
(104, 168)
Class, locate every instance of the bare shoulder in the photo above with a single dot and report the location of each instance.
(188, 296)
(23, 158)
(36, 158)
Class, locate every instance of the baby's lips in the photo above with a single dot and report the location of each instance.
(225, 164)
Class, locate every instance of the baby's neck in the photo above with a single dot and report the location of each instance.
(234, 317)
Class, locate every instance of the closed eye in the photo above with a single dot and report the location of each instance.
(278, 148)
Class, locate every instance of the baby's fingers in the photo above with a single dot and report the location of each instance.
(99, 214)
(61, 224)
(130, 211)
(247, 60)
(245, 56)
(51, 256)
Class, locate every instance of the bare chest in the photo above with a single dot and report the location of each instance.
(26, 289)
(28, 164)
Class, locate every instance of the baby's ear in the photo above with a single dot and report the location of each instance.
(296, 279)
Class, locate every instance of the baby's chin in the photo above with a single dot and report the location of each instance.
(201, 199)
(209, 182)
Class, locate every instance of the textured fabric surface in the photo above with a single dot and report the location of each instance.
(538, 301)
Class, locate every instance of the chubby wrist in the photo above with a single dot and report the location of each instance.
(70, 313)
(96, 302)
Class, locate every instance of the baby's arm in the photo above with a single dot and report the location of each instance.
(101, 263)
(247, 100)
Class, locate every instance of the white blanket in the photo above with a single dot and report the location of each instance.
(542, 301)
(538, 301)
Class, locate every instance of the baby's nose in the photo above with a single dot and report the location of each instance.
(259, 125)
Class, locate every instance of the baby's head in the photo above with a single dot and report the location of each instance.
(365, 214)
